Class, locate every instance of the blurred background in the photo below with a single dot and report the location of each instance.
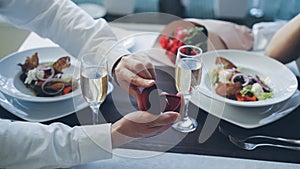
(236, 10)
(246, 12)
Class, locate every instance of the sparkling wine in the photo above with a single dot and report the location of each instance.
(188, 75)
(94, 84)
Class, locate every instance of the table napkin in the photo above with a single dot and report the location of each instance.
(263, 33)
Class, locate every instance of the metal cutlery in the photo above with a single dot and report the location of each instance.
(291, 141)
(252, 146)
(245, 143)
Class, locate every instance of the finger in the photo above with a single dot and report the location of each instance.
(157, 130)
(134, 79)
(139, 67)
(133, 65)
(130, 88)
(124, 84)
(133, 91)
(164, 128)
(143, 58)
(152, 72)
(136, 93)
(142, 77)
(164, 119)
(150, 67)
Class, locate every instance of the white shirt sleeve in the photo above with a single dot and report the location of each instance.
(34, 145)
(65, 24)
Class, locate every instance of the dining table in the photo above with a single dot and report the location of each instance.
(207, 147)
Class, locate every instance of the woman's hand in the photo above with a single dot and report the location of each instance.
(135, 71)
(141, 124)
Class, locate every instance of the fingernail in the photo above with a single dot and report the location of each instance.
(150, 82)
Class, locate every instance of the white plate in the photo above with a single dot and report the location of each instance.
(41, 112)
(246, 117)
(10, 83)
(275, 74)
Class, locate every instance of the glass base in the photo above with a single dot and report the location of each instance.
(186, 125)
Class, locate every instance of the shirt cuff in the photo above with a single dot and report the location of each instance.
(94, 142)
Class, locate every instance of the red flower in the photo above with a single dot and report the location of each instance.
(184, 50)
(181, 37)
(164, 41)
(188, 51)
(193, 52)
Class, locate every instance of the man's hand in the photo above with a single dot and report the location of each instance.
(141, 124)
(135, 71)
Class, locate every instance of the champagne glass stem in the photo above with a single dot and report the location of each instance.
(186, 106)
(95, 114)
(187, 124)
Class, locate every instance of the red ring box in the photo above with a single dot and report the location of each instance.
(156, 102)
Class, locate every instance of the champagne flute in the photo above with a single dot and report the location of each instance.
(187, 77)
(94, 82)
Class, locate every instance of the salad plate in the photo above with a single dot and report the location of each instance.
(41, 112)
(44, 111)
(10, 71)
(277, 76)
(244, 116)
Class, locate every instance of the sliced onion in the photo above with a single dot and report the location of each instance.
(245, 77)
(247, 80)
(49, 81)
(44, 68)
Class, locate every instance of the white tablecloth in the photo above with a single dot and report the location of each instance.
(180, 161)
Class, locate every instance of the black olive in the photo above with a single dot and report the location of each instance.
(239, 79)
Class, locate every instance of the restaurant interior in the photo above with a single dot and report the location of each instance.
(213, 144)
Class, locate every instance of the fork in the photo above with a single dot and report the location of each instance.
(292, 141)
(251, 146)
(239, 139)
